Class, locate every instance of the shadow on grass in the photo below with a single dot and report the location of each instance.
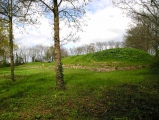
(134, 102)
(138, 101)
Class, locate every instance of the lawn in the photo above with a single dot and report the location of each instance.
(114, 84)
(89, 95)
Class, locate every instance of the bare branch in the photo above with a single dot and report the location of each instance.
(46, 5)
(60, 3)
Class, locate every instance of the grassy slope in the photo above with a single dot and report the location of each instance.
(90, 95)
(119, 56)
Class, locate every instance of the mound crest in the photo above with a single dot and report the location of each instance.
(122, 54)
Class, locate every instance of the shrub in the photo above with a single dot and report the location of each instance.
(154, 67)
(4, 63)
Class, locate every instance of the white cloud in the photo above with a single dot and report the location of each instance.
(96, 5)
(35, 34)
(106, 23)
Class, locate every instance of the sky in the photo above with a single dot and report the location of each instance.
(104, 23)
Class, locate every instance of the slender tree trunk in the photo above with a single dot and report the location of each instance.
(4, 59)
(58, 68)
(156, 42)
(11, 41)
(156, 51)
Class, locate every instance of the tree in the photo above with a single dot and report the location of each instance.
(4, 45)
(9, 11)
(40, 51)
(111, 44)
(148, 9)
(23, 52)
(137, 37)
(143, 35)
(64, 52)
(49, 54)
(33, 53)
(70, 12)
(99, 46)
(144, 10)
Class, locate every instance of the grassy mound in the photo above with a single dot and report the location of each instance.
(124, 55)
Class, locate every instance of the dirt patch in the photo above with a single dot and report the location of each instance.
(103, 69)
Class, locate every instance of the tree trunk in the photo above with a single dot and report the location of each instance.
(11, 41)
(58, 68)
(156, 51)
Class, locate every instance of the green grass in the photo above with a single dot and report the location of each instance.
(123, 55)
(89, 94)
(118, 56)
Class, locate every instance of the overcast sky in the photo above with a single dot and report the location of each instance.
(105, 23)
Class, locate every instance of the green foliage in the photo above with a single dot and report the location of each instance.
(4, 63)
(4, 44)
(154, 67)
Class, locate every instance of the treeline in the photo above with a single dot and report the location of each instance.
(38, 53)
(94, 47)
(143, 33)
(42, 53)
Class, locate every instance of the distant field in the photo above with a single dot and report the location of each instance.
(89, 94)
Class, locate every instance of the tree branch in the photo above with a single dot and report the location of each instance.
(60, 3)
(46, 5)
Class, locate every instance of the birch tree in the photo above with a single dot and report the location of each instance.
(3, 45)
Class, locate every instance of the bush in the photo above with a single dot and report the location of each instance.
(4, 63)
(154, 67)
